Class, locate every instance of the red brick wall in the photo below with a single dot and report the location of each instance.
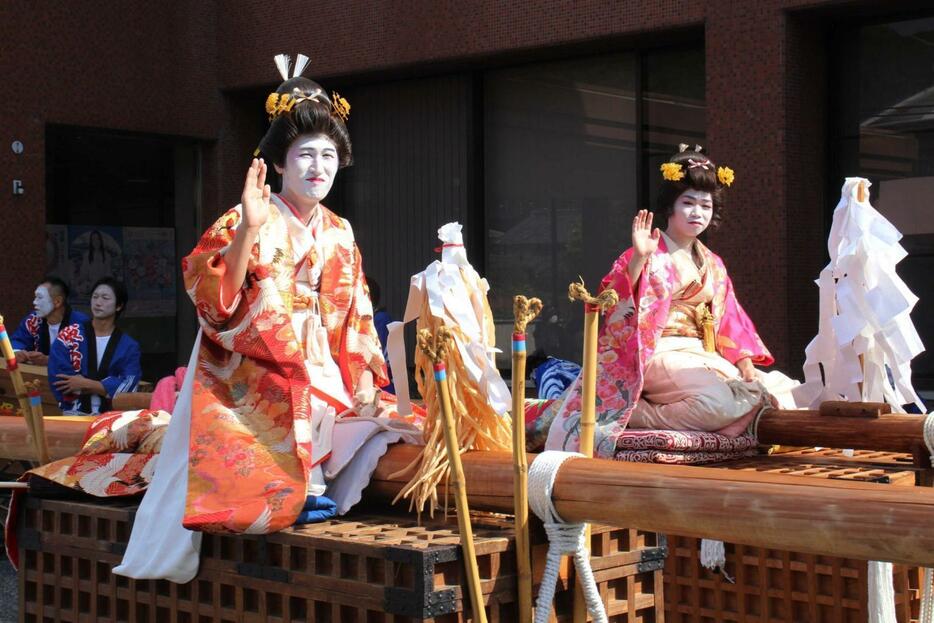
(147, 67)
(365, 36)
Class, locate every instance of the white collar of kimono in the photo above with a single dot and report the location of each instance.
(673, 246)
(303, 236)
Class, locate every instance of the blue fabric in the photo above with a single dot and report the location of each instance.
(317, 508)
(123, 374)
(554, 376)
(381, 320)
(28, 335)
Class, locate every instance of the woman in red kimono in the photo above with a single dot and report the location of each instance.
(283, 393)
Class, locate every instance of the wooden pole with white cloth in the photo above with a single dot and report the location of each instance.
(865, 340)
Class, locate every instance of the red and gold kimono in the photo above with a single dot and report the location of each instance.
(254, 398)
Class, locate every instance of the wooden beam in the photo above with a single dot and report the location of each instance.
(64, 436)
(848, 519)
(892, 432)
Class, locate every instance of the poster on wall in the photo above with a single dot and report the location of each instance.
(149, 270)
(93, 252)
(56, 252)
(143, 258)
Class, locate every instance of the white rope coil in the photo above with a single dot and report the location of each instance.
(927, 591)
(563, 538)
(927, 599)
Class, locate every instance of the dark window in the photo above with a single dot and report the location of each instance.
(569, 153)
(883, 129)
(122, 193)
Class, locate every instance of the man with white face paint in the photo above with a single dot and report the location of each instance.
(35, 334)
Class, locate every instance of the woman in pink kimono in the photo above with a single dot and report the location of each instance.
(678, 352)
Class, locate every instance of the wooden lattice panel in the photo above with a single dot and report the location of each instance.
(368, 569)
(773, 586)
(776, 586)
(860, 456)
(818, 464)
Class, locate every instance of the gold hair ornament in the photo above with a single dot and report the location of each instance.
(340, 106)
(726, 176)
(672, 171)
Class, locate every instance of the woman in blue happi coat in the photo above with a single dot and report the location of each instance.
(91, 362)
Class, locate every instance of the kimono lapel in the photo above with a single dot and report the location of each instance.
(338, 274)
(716, 272)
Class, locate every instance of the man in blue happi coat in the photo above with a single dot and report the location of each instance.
(35, 334)
(93, 361)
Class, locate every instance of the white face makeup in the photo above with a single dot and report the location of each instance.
(311, 165)
(691, 214)
(42, 302)
(103, 302)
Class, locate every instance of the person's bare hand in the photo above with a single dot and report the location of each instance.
(746, 370)
(255, 197)
(37, 358)
(70, 384)
(644, 238)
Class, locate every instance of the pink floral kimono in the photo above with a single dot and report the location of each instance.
(629, 335)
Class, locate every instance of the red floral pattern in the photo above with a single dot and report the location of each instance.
(33, 324)
(250, 447)
(71, 337)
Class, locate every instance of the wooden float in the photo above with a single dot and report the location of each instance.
(373, 566)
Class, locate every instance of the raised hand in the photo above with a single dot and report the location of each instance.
(644, 238)
(255, 197)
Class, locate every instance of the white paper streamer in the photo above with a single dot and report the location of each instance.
(442, 283)
(864, 313)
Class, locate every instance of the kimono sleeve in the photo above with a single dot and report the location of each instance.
(618, 277)
(22, 338)
(737, 337)
(60, 362)
(204, 270)
(361, 347)
(124, 371)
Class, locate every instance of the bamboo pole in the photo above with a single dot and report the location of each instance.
(810, 515)
(435, 347)
(28, 397)
(525, 310)
(588, 420)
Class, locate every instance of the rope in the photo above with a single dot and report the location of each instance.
(563, 538)
(435, 345)
(525, 310)
(478, 426)
(927, 599)
(605, 300)
(927, 592)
